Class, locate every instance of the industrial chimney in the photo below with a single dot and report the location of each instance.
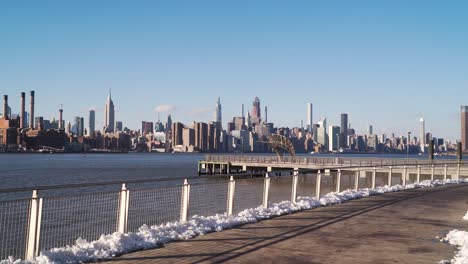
(5, 107)
(31, 111)
(23, 102)
(61, 118)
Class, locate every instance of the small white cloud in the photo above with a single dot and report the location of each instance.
(165, 108)
(201, 111)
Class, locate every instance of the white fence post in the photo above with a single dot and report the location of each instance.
(34, 227)
(373, 178)
(403, 175)
(356, 180)
(389, 179)
(231, 191)
(266, 189)
(123, 210)
(338, 181)
(445, 171)
(185, 201)
(317, 185)
(418, 175)
(294, 185)
(432, 172)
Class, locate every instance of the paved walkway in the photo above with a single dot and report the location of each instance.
(391, 228)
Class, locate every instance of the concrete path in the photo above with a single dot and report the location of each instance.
(391, 228)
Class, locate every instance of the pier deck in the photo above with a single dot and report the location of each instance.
(396, 227)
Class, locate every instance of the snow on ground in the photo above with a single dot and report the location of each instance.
(459, 239)
(111, 245)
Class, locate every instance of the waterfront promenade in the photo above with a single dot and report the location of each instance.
(398, 227)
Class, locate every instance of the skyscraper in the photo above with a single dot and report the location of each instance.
(109, 118)
(344, 131)
(218, 114)
(256, 108)
(309, 118)
(91, 122)
(370, 130)
(464, 127)
(333, 137)
(422, 135)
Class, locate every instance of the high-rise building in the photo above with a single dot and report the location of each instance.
(464, 127)
(344, 131)
(91, 123)
(119, 126)
(201, 136)
(310, 122)
(188, 137)
(39, 122)
(109, 117)
(146, 128)
(370, 130)
(81, 132)
(256, 108)
(218, 114)
(422, 134)
(177, 134)
(333, 137)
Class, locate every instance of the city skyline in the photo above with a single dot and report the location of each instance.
(385, 73)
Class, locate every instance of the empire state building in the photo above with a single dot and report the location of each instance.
(109, 117)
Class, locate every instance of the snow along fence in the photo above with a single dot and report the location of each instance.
(29, 226)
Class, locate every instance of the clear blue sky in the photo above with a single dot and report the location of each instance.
(386, 63)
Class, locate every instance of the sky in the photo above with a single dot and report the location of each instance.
(385, 63)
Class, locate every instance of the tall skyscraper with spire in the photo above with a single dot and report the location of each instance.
(422, 134)
(109, 118)
(218, 114)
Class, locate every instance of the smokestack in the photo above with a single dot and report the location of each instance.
(5, 107)
(23, 102)
(31, 111)
(60, 118)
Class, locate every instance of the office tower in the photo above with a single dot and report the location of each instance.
(201, 136)
(242, 111)
(344, 131)
(177, 134)
(464, 127)
(75, 128)
(91, 123)
(31, 110)
(119, 126)
(256, 108)
(81, 132)
(370, 130)
(333, 137)
(266, 115)
(188, 137)
(39, 122)
(310, 122)
(322, 133)
(239, 123)
(68, 130)
(146, 128)
(218, 114)
(422, 135)
(169, 123)
(109, 117)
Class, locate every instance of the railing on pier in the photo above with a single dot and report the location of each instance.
(28, 226)
(324, 161)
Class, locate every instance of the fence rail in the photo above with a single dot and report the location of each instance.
(29, 226)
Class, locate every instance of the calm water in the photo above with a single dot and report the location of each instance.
(31, 170)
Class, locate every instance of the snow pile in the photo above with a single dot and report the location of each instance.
(459, 239)
(111, 245)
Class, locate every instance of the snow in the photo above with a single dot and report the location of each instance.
(459, 239)
(111, 245)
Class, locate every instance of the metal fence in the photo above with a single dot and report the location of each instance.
(28, 226)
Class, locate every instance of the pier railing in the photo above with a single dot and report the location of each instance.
(41, 222)
(324, 161)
